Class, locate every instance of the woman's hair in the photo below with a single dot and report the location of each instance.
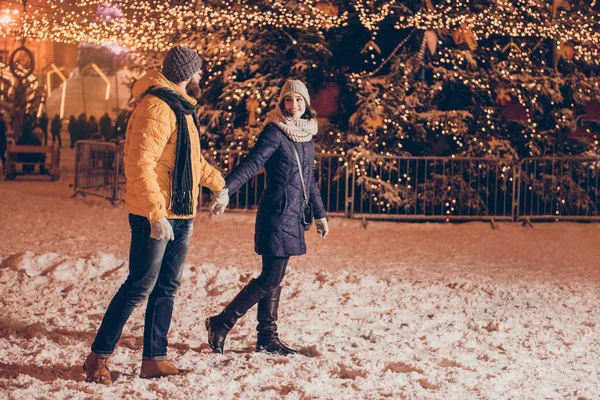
(310, 113)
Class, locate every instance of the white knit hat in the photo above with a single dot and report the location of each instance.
(294, 86)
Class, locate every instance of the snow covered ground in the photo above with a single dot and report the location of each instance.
(415, 311)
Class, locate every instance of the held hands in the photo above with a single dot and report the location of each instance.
(219, 202)
(322, 227)
(161, 230)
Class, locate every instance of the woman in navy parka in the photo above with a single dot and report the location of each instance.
(279, 229)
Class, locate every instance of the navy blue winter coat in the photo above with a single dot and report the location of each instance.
(279, 231)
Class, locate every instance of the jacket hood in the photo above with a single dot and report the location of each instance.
(155, 78)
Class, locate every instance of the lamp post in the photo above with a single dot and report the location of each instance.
(7, 17)
(5, 20)
(21, 64)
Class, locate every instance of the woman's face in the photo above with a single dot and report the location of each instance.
(294, 104)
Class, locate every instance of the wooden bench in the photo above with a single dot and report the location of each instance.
(47, 164)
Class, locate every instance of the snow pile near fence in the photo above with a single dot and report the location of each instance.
(371, 334)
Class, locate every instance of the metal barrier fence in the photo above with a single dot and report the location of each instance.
(99, 170)
(559, 188)
(433, 188)
(248, 196)
(335, 183)
(330, 170)
(399, 188)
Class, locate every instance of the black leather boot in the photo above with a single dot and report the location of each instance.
(219, 326)
(268, 339)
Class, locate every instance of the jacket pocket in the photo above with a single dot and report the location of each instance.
(169, 189)
(273, 203)
(283, 203)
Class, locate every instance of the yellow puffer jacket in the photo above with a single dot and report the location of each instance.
(150, 150)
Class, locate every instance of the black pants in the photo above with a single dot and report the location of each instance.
(272, 273)
(155, 269)
(56, 136)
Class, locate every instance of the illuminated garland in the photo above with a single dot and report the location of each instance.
(151, 26)
(148, 25)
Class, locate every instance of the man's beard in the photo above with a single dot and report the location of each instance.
(193, 89)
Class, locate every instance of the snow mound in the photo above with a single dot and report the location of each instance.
(57, 267)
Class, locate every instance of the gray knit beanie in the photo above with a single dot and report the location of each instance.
(294, 86)
(180, 64)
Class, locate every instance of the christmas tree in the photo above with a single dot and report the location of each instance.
(249, 53)
(504, 79)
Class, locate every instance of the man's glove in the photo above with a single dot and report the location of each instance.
(322, 227)
(219, 202)
(162, 230)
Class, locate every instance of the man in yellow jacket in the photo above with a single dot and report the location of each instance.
(164, 169)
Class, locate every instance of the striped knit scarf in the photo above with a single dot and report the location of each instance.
(182, 202)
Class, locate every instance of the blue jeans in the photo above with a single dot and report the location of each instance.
(155, 269)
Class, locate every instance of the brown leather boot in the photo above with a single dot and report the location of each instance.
(96, 369)
(156, 369)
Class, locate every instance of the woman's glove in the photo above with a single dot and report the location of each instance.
(219, 202)
(322, 227)
(162, 230)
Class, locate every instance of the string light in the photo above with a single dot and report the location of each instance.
(153, 26)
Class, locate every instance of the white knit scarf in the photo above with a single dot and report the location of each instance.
(298, 130)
